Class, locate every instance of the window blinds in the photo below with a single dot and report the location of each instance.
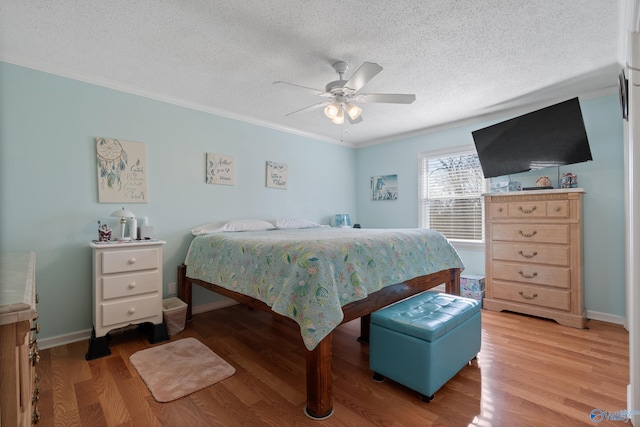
(451, 188)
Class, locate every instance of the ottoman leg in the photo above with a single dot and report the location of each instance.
(378, 377)
(426, 398)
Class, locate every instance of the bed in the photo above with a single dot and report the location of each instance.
(320, 277)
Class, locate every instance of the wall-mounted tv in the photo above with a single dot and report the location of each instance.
(549, 137)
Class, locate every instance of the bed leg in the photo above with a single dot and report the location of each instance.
(453, 285)
(365, 322)
(319, 381)
(184, 289)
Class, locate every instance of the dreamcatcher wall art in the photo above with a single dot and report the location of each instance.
(122, 171)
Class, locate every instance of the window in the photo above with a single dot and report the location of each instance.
(451, 186)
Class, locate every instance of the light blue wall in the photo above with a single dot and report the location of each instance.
(603, 204)
(48, 184)
(48, 181)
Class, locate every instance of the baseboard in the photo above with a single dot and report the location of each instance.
(203, 308)
(64, 339)
(604, 317)
(85, 335)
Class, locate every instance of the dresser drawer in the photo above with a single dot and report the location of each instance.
(130, 284)
(533, 233)
(530, 209)
(537, 274)
(130, 260)
(532, 253)
(130, 311)
(531, 295)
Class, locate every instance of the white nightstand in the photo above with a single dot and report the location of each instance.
(127, 290)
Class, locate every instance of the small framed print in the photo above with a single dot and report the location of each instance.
(221, 169)
(384, 187)
(277, 175)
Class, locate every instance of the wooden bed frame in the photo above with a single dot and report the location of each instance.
(319, 380)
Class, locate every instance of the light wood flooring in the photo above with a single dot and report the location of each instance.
(530, 372)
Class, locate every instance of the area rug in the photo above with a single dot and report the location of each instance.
(179, 368)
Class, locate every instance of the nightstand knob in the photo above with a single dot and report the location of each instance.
(132, 285)
(132, 261)
(131, 310)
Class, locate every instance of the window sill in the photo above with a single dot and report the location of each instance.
(466, 245)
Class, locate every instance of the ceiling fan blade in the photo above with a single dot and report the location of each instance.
(310, 107)
(318, 92)
(361, 77)
(389, 98)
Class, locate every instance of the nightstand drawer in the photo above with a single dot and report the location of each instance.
(130, 284)
(130, 260)
(531, 295)
(534, 233)
(544, 275)
(130, 311)
(532, 253)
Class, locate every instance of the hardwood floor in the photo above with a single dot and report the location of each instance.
(530, 372)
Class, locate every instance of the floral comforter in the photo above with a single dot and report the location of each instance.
(309, 274)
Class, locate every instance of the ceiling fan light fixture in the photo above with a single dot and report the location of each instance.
(339, 118)
(353, 111)
(332, 110)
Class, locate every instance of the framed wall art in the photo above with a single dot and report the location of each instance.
(221, 169)
(122, 171)
(384, 187)
(277, 175)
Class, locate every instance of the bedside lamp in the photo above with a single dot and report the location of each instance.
(123, 215)
(342, 220)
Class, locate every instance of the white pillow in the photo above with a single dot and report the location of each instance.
(247, 225)
(207, 228)
(235, 225)
(294, 223)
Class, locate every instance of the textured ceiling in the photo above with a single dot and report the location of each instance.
(462, 59)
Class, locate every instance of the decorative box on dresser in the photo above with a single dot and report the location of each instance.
(534, 254)
(127, 290)
(18, 343)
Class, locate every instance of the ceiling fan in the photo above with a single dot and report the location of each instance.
(344, 94)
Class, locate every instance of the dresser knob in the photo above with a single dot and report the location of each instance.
(531, 255)
(527, 296)
(131, 310)
(35, 357)
(527, 276)
(132, 260)
(132, 285)
(500, 209)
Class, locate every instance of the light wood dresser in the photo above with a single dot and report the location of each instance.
(534, 254)
(18, 344)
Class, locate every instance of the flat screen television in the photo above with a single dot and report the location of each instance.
(549, 137)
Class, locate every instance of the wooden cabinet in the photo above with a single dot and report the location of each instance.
(127, 289)
(18, 344)
(534, 254)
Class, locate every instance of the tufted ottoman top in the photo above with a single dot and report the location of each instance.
(427, 316)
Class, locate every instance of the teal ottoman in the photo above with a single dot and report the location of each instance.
(424, 341)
